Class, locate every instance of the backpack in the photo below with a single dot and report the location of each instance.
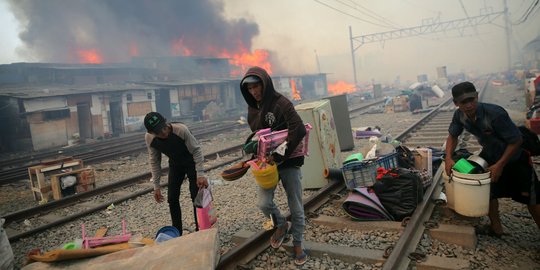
(531, 143)
(401, 194)
(405, 157)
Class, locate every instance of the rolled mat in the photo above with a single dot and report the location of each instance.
(363, 205)
(333, 174)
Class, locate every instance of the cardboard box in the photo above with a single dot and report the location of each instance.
(422, 159)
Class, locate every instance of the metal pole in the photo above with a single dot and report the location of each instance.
(353, 62)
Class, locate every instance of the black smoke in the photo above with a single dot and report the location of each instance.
(56, 30)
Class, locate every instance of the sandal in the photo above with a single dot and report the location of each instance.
(275, 241)
(487, 230)
(300, 259)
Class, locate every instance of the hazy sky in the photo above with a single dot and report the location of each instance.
(300, 33)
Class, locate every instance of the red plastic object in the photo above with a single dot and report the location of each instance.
(535, 125)
(268, 141)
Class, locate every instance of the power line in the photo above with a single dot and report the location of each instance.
(368, 12)
(528, 12)
(350, 15)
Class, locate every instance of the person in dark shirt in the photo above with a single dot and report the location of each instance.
(269, 109)
(185, 158)
(512, 175)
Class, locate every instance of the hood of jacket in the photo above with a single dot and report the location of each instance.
(269, 92)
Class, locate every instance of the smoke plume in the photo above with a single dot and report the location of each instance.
(97, 31)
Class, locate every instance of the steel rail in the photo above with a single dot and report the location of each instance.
(91, 210)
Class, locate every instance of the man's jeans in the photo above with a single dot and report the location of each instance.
(291, 181)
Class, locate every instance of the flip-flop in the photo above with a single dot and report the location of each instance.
(279, 240)
(300, 259)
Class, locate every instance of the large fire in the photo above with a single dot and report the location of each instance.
(244, 60)
(179, 48)
(241, 60)
(91, 56)
(341, 87)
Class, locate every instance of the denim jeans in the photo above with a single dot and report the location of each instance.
(291, 181)
(176, 177)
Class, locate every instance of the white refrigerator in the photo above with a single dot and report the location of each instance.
(324, 149)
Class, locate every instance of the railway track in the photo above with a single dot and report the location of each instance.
(399, 254)
(16, 169)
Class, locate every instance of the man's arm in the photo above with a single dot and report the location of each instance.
(451, 143)
(195, 149)
(497, 168)
(154, 157)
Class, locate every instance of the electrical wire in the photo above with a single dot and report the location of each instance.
(350, 15)
(368, 12)
(528, 12)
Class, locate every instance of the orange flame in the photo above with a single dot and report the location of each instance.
(295, 92)
(341, 87)
(244, 60)
(133, 50)
(91, 56)
(178, 48)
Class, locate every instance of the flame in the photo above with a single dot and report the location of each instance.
(133, 50)
(244, 60)
(341, 87)
(91, 56)
(295, 92)
(179, 48)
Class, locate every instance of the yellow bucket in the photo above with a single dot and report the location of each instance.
(266, 175)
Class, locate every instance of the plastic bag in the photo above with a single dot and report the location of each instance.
(206, 214)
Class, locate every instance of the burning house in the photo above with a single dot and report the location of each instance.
(111, 66)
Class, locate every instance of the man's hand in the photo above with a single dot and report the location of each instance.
(496, 171)
(158, 196)
(448, 164)
(202, 182)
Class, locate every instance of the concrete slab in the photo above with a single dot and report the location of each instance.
(453, 234)
(88, 204)
(11, 232)
(443, 263)
(342, 223)
(368, 256)
(50, 218)
(461, 235)
(120, 194)
(197, 251)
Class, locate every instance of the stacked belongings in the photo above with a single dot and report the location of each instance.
(363, 205)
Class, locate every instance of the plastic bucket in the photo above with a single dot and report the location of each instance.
(471, 193)
(266, 175)
(166, 233)
(449, 189)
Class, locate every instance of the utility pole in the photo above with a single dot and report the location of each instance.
(508, 30)
(353, 61)
(318, 63)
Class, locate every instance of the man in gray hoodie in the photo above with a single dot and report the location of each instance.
(269, 109)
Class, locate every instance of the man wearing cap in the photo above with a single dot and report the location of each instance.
(512, 175)
(267, 108)
(185, 158)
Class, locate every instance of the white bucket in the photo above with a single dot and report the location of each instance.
(448, 188)
(471, 193)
